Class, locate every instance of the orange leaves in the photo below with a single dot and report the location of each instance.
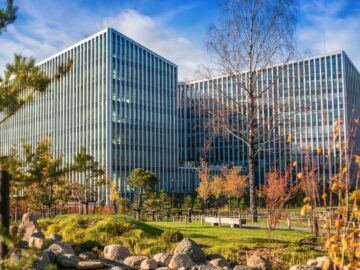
(299, 175)
(319, 151)
(234, 183)
(204, 188)
(289, 138)
(305, 209)
(294, 164)
(357, 159)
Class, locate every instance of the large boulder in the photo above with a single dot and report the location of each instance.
(116, 252)
(61, 248)
(163, 259)
(134, 261)
(29, 226)
(67, 260)
(259, 262)
(43, 261)
(148, 264)
(189, 247)
(53, 238)
(87, 255)
(36, 241)
(180, 260)
(92, 264)
(319, 261)
(221, 263)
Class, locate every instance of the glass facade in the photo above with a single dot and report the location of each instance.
(326, 86)
(123, 102)
(118, 100)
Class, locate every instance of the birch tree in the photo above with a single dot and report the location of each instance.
(250, 37)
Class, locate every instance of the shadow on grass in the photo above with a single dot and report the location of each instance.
(265, 241)
(196, 235)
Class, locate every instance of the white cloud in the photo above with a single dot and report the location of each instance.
(327, 31)
(46, 27)
(154, 34)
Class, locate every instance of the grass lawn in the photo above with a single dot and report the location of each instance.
(93, 232)
(209, 236)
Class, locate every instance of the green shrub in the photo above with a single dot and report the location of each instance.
(172, 236)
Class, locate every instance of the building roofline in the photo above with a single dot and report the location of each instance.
(73, 46)
(107, 29)
(272, 66)
(142, 46)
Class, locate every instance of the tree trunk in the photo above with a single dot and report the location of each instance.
(138, 210)
(86, 208)
(251, 174)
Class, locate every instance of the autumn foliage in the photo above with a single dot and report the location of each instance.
(277, 191)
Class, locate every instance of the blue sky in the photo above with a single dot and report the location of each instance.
(174, 29)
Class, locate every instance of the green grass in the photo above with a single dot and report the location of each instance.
(93, 232)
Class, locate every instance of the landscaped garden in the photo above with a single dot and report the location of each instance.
(93, 232)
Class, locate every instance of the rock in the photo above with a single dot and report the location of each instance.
(113, 263)
(87, 255)
(116, 252)
(318, 262)
(29, 226)
(204, 267)
(189, 247)
(163, 259)
(220, 263)
(92, 264)
(163, 268)
(13, 230)
(148, 264)
(61, 248)
(259, 262)
(134, 261)
(43, 261)
(244, 267)
(304, 267)
(117, 268)
(36, 241)
(214, 256)
(53, 237)
(67, 260)
(180, 260)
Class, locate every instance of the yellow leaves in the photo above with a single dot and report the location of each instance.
(326, 265)
(357, 252)
(338, 223)
(324, 196)
(289, 138)
(356, 194)
(304, 209)
(344, 170)
(357, 159)
(300, 175)
(344, 243)
(337, 186)
(307, 199)
(337, 261)
(319, 151)
(294, 163)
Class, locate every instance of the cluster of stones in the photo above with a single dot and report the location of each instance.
(188, 255)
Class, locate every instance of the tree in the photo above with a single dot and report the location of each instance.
(22, 80)
(234, 184)
(187, 202)
(204, 187)
(46, 175)
(277, 192)
(114, 195)
(90, 176)
(217, 188)
(7, 15)
(251, 36)
(142, 180)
